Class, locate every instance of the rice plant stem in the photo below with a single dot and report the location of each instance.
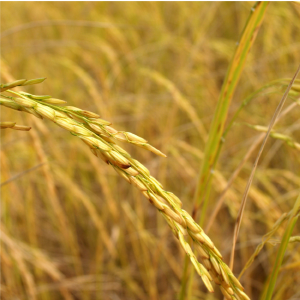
(216, 131)
(213, 145)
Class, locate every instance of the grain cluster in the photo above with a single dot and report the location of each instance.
(101, 138)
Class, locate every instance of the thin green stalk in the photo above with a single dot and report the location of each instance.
(217, 127)
(281, 251)
(213, 145)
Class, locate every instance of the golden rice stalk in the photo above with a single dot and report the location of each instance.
(89, 119)
(100, 140)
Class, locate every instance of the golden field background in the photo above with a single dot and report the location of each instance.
(71, 228)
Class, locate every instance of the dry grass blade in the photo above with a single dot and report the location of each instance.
(234, 175)
(265, 239)
(244, 200)
(21, 174)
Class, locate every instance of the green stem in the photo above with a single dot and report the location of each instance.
(212, 149)
(217, 127)
(283, 245)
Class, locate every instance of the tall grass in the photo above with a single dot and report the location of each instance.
(70, 227)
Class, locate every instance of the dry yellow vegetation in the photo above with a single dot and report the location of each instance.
(71, 228)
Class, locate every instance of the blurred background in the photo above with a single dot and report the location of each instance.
(71, 228)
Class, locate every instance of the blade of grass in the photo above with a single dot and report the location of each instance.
(21, 174)
(217, 127)
(214, 143)
(244, 200)
(281, 251)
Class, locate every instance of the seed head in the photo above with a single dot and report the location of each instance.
(25, 102)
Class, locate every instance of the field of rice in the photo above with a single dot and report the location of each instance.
(177, 99)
